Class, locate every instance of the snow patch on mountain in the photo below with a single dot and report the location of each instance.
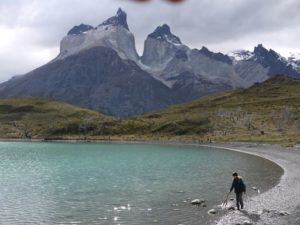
(241, 54)
(294, 61)
(294, 56)
(80, 29)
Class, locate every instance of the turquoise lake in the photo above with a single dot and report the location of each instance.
(133, 184)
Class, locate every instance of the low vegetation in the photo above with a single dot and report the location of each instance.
(44, 118)
(267, 112)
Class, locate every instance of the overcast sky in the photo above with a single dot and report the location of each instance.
(30, 30)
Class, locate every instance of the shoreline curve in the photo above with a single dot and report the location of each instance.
(279, 205)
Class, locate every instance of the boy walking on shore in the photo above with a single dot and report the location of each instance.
(239, 188)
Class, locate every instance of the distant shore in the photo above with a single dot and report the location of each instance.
(277, 206)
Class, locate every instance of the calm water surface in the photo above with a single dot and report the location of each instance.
(59, 183)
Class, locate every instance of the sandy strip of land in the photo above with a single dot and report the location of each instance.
(281, 204)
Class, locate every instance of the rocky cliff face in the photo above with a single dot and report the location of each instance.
(192, 73)
(112, 33)
(261, 64)
(160, 47)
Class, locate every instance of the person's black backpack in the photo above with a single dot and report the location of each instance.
(243, 185)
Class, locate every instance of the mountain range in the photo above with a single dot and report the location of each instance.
(99, 68)
(265, 112)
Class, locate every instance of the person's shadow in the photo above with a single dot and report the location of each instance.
(253, 216)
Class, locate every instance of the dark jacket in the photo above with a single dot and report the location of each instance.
(238, 185)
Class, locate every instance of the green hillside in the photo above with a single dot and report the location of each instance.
(266, 112)
(43, 118)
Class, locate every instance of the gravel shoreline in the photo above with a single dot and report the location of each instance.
(281, 204)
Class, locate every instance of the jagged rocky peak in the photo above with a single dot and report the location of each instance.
(260, 51)
(112, 33)
(161, 46)
(164, 33)
(216, 56)
(274, 62)
(80, 29)
(120, 19)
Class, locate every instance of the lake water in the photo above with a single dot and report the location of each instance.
(133, 184)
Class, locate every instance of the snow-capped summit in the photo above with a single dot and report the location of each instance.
(80, 29)
(267, 61)
(294, 56)
(112, 33)
(239, 55)
(294, 61)
(164, 33)
(120, 19)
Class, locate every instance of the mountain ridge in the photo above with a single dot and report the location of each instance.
(266, 112)
(167, 73)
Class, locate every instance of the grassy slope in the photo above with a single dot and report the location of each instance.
(37, 117)
(267, 112)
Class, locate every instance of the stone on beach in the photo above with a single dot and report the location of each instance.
(247, 222)
(283, 213)
(198, 201)
(212, 212)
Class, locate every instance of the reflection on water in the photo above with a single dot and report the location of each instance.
(54, 183)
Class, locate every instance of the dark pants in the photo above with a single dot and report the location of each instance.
(239, 200)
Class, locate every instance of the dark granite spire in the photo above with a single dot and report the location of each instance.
(80, 29)
(162, 32)
(120, 19)
(216, 56)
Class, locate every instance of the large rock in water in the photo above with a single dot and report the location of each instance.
(98, 79)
